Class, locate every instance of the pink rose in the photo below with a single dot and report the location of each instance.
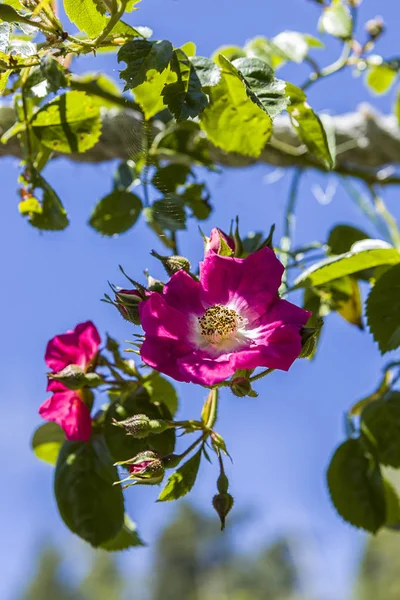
(202, 331)
(65, 407)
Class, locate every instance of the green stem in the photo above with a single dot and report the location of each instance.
(91, 87)
(111, 24)
(199, 440)
(290, 222)
(335, 67)
(261, 375)
(386, 215)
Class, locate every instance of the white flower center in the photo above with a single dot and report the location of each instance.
(219, 323)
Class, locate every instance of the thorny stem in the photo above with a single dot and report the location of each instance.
(261, 375)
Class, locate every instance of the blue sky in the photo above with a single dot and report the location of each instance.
(51, 281)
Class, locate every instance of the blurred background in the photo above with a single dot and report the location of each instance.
(283, 540)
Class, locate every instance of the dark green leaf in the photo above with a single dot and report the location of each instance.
(116, 213)
(126, 538)
(124, 447)
(342, 237)
(69, 123)
(184, 97)
(269, 91)
(356, 487)
(53, 72)
(47, 441)
(169, 213)
(196, 197)
(141, 56)
(336, 20)
(88, 502)
(181, 482)
(363, 255)
(382, 420)
(309, 126)
(207, 71)
(47, 214)
(162, 391)
(383, 310)
(234, 120)
(186, 142)
(167, 179)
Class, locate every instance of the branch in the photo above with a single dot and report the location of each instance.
(366, 143)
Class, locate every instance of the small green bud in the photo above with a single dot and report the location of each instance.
(222, 483)
(154, 285)
(128, 305)
(146, 468)
(222, 504)
(140, 426)
(173, 264)
(241, 387)
(375, 28)
(74, 378)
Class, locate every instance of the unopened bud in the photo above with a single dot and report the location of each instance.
(220, 243)
(74, 378)
(154, 285)
(146, 468)
(222, 504)
(140, 426)
(241, 387)
(375, 28)
(128, 305)
(173, 264)
(222, 483)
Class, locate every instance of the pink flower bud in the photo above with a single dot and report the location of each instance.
(220, 243)
(146, 468)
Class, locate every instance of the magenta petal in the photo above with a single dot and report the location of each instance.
(214, 244)
(281, 347)
(282, 312)
(89, 339)
(56, 386)
(252, 281)
(68, 410)
(199, 367)
(162, 354)
(161, 320)
(183, 293)
(74, 347)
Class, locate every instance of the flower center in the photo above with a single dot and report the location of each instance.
(219, 323)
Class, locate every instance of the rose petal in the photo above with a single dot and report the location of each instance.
(74, 347)
(162, 354)
(183, 293)
(68, 410)
(199, 367)
(161, 320)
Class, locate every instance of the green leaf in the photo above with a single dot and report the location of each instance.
(126, 538)
(269, 91)
(162, 391)
(293, 44)
(49, 214)
(397, 107)
(47, 441)
(88, 15)
(141, 56)
(195, 196)
(362, 255)
(69, 123)
(309, 126)
(207, 71)
(181, 482)
(115, 213)
(356, 487)
(89, 504)
(230, 52)
(383, 310)
(234, 120)
(168, 213)
(185, 97)
(266, 50)
(123, 446)
(342, 237)
(149, 94)
(380, 78)
(53, 72)
(96, 85)
(392, 506)
(336, 20)
(167, 179)
(382, 420)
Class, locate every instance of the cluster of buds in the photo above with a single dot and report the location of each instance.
(140, 426)
(145, 468)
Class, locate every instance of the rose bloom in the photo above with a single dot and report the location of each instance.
(214, 241)
(202, 331)
(65, 407)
